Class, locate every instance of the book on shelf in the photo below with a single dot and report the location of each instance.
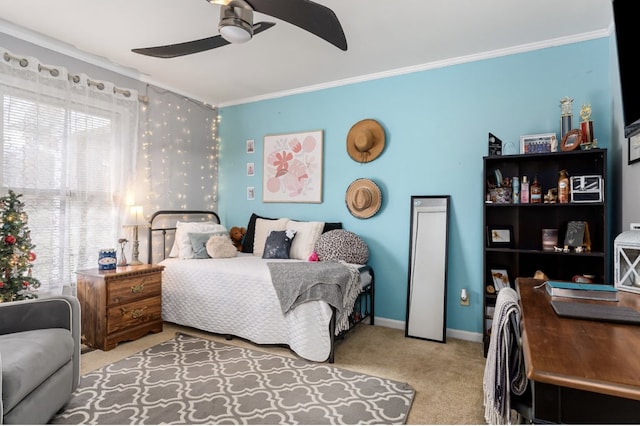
(582, 290)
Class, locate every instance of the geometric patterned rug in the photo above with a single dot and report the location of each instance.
(190, 380)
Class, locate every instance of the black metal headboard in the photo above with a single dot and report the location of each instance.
(164, 223)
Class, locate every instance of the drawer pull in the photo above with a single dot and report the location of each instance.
(137, 288)
(137, 313)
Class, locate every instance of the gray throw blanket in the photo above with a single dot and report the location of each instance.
(335, 283)
(504, 371)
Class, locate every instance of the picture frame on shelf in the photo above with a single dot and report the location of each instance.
(634, 148)
(536, 144)
(500, 277)
(571, 140)
(499, 236)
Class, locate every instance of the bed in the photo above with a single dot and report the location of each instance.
(236, 296)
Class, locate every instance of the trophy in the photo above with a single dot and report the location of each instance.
(566, 116)
(586, 125)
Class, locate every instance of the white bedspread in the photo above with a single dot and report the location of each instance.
(236, 297)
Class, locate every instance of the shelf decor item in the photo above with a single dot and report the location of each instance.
(499, 236)
(549, 239)
(495, 145)
(571, 140)
(563, 187)
(536, 144)
(587, 189)
(566, 115)
(586, 126)
(500, 278)
(578, 236)
(627, 261)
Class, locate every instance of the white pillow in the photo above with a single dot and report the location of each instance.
(182, 244)
(307, 233)
(221, 246)
(263, 227)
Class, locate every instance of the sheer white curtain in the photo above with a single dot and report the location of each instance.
(68, 146)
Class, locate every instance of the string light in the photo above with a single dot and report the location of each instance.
(178, 139)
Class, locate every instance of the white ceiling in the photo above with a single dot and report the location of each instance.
(385, 37)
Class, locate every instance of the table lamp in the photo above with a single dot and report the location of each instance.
(137, 218)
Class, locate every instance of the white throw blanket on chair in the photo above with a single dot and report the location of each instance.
(504, 370)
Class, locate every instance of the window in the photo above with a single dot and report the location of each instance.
(70, 153)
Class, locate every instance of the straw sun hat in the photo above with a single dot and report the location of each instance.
(365, 140)
(363, 198)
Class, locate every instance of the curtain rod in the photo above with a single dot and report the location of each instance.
(24, 62)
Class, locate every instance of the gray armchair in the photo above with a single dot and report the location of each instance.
(39, 357)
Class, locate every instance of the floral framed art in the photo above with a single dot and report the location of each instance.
(292, 171)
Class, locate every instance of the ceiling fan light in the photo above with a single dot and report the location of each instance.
(235, 33)
(236, 22)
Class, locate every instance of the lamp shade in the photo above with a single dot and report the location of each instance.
(135, 216)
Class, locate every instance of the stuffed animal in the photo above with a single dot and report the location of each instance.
(236, 234)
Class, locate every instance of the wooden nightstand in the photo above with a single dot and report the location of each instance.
(119, 305)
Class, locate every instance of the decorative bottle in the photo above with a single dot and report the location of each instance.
(563, 187)
(524, 190)
(536, 191)
(515, 184)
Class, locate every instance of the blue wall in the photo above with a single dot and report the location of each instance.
(436, 123)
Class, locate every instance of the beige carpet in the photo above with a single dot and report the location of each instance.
(447, 377)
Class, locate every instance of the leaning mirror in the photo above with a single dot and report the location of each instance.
(428, 246)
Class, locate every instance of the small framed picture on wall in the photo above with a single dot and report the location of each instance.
(634, 148)
(251, 193)
(251, 146)
(251, 170)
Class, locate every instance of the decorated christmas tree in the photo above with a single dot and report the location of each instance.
(16, 252)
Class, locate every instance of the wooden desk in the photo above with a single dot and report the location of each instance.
(580, 371)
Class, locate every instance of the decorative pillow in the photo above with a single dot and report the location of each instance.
(247, 243)
(330, 226)
(343, 245)
(263, 227)
(221, 246)
(199, 243)
(307, 233)
(278, 244)
(181, 243)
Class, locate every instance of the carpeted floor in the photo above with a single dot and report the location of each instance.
(447, 377)
(191, 380)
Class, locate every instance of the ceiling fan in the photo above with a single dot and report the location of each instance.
(236, 25)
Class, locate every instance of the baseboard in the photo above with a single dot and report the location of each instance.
(453, 333)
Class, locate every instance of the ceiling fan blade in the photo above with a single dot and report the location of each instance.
(310, 16)
(181, 49)
(195, 46)
(262, 26)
